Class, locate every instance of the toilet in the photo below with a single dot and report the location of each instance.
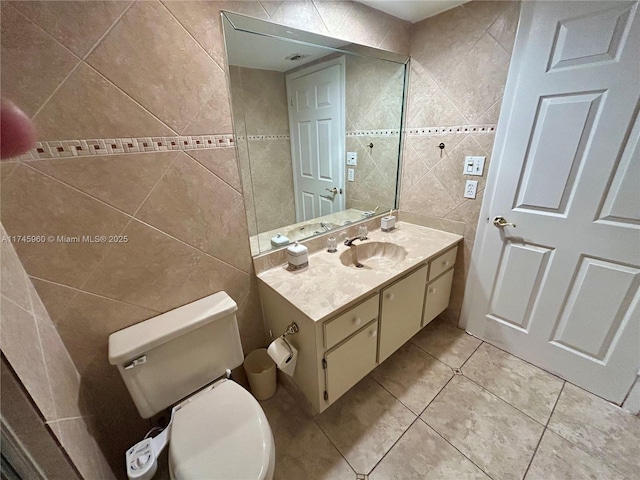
(183, 359)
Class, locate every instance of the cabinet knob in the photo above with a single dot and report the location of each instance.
(374, 332)
(445, 263)
(432, 290)
(389, 296)
(357, 321)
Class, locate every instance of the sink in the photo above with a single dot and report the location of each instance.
(310, 229)
(373, 255)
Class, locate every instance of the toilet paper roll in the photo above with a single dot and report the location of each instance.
(284, 355)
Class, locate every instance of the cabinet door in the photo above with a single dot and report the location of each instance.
(437, 297)
(401, 312)
(348, 363)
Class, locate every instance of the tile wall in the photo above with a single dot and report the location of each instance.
(374, 93)
(261, 118)
(104, 75)
(459, 64)
(36, 354)
(23, 419)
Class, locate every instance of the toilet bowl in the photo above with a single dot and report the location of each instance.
(183, 359)
(221, 434)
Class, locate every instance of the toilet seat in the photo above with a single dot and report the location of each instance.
(221, 434)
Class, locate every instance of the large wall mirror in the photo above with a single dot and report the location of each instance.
(318, 126)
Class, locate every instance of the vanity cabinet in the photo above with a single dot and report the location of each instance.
(438, 288)
(348, 329)
(401, 312)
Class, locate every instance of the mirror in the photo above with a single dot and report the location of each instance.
(318, 126)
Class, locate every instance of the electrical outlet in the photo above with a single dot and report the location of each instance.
(351, 174)
(470, 188)
(352, 158)
(474, 165)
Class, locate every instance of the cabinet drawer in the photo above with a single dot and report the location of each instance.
(351, 361)
(437, 297)
(442, 263)
(344, 325)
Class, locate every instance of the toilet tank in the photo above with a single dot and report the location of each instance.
(166, 358)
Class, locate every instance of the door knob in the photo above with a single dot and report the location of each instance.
(333, 190)
(501, 222)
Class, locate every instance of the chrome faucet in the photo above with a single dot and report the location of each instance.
(349, 241)
(354, 251)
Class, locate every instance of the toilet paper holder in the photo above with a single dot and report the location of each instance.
(291, 330)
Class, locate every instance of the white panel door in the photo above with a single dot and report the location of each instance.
(561, 287)
(316, 119)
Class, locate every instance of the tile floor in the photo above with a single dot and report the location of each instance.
(448, 406)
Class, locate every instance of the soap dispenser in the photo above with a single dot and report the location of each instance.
(279, 240)
(297, 256)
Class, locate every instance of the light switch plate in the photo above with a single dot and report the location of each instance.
(352, 158)
(474, 165)
(351, 174)
(470, 188)
(468, 166)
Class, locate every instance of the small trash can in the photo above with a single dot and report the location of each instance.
(261, 372)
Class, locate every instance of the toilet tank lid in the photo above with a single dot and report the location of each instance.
(128, 343)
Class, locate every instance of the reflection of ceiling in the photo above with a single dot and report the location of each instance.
(268, 53)
(412, 10)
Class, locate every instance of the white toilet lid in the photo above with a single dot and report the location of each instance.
(221, 434)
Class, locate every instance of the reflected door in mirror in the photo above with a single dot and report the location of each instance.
(316, 117)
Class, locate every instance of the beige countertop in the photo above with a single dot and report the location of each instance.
(326, 285)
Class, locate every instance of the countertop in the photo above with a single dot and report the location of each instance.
(327, 286)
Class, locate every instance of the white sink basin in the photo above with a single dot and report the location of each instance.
(373, 255)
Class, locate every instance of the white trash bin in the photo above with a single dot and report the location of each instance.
(261, 372)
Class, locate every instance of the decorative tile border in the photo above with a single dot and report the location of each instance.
(484, 128)
(386, 132)
(118, 146)
(390, 132)
(264, 137)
